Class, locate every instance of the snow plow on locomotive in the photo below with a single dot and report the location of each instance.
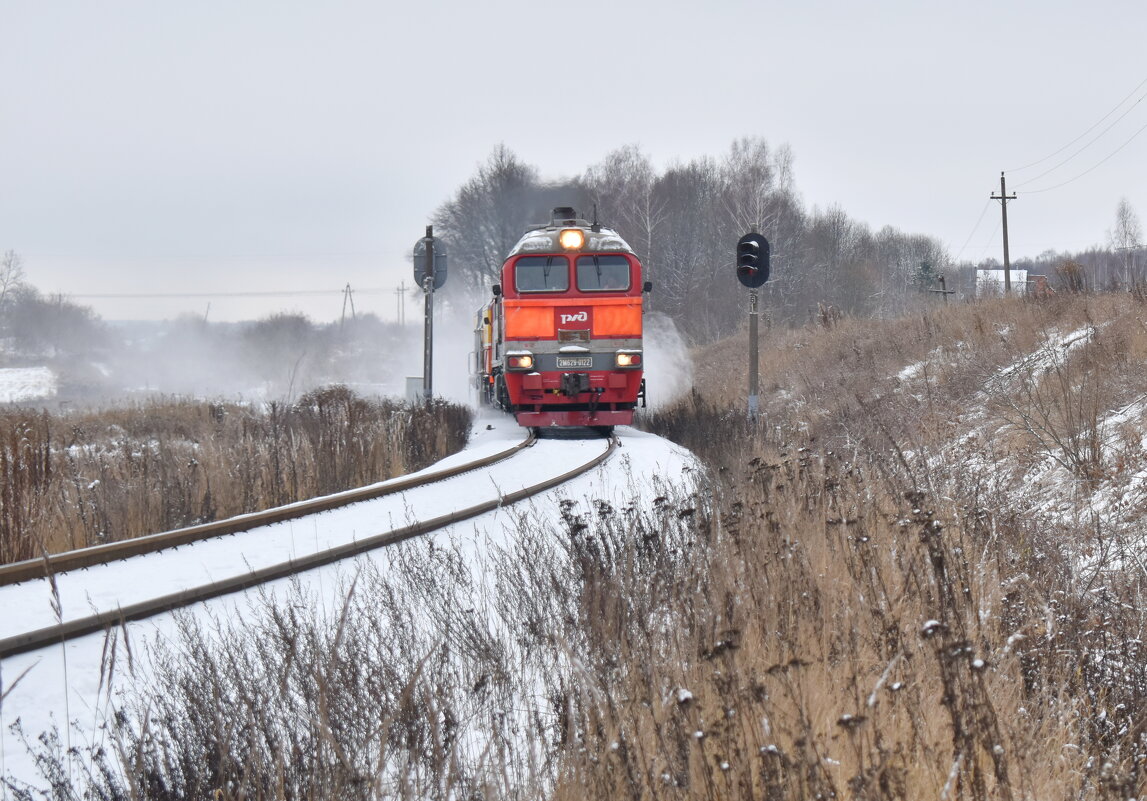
(559, 343)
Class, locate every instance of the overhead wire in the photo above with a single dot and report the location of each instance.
(1101, 134)
(1089, 169)
(1061, 163)
(277, 294)
(989, 240)
(1085, 133)
(975, 228)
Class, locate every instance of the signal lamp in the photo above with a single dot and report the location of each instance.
(521, 362)
(628, 360)
(752, 260)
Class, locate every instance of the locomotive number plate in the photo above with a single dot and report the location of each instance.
(575, 361)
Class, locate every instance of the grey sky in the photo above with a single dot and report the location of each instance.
(164, 147)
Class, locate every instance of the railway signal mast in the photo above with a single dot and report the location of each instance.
(430, 274)
(753, 272)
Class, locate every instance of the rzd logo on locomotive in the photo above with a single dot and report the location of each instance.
(580, 317)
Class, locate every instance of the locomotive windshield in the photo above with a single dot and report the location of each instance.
(602, 273)
(541, 274)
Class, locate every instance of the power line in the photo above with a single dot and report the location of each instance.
(1089, 130)
(975, 228)
(1089, 144)
(991, 238)
(1089, 169)
(278, 294)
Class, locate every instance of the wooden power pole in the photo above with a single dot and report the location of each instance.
(1003, 197)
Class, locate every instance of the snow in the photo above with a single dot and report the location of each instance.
(45, 688)
(19, 384)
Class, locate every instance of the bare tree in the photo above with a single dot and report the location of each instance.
(277, 349)
(1126, 238)
(622, 188)
(52, 327)
(689, 252)
(1072, 275)
(487, 216)
(11, 276)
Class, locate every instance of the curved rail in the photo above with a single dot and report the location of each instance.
(72, 629)
(109, 552)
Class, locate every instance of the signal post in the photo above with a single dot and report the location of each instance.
(430, 274)
(753, 272)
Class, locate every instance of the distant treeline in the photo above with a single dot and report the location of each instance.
(683, 223)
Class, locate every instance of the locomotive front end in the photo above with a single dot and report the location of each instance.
(567, 323)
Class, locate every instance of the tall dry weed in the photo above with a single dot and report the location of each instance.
(812, 635)
(82, 479)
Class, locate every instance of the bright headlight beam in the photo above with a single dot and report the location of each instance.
(571, 238)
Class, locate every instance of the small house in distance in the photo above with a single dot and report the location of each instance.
(990, 283)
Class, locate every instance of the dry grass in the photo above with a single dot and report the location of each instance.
(798, 630)
(997, 369)
(860, 602)
(77, 480)
(829, 639)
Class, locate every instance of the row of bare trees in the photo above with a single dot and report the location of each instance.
(683, 221)
(37, 326)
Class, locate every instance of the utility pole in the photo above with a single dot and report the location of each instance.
(1003, 197)
(943, 290)
(400, 300)
(348, 295)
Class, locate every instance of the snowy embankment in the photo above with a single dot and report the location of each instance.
(1036, 433)
(78, 683)
(22, 384)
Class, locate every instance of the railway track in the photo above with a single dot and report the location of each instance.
(41, 577)
(102, 554)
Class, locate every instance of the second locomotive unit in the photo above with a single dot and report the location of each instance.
(559, 344)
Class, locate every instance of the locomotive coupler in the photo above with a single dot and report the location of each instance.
(574, 384)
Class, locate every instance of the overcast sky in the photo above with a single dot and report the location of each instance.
(152, 147)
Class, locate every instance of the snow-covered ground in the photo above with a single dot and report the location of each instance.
(48, 687)
(1046, 479)
(19, 384)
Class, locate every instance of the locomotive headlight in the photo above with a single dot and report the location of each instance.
(520, 361)
(571, 238)
(629, 359)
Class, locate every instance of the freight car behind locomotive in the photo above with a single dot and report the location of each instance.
(559, 343)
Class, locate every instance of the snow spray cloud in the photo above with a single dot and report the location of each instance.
(668, 369)
(453, 347)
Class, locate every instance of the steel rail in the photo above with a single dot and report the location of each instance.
(80, 627)
(110, 552)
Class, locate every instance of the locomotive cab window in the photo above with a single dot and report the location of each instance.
(602, 273)
(541, 274)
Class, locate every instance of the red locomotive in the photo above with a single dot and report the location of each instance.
(560, 342)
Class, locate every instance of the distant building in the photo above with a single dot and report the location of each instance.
(991, 282)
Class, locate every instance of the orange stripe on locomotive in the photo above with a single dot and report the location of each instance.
(610, 318)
